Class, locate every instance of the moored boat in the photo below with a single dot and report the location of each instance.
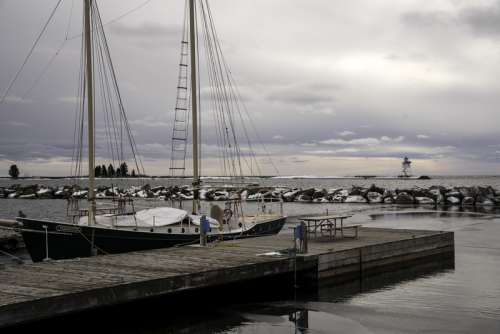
(95, 230)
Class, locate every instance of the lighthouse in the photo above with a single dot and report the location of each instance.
(405, 168)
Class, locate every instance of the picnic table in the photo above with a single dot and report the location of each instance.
(329, 224)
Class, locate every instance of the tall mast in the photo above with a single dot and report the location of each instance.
(194, 103)
(90, 108)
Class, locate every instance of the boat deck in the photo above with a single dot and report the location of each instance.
(36, 291)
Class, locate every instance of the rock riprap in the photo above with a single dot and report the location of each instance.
(434, 195)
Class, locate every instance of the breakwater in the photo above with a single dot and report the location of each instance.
(433, 195)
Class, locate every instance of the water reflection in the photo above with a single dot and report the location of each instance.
(430, 212)
(417, 270)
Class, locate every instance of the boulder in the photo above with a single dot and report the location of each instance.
(436, 195)
(45, 193)
(13, 195)
(8, 191)
(374, 197)
(376, 189)
(333, 191)
(452, 200)
(398, 191)
(290, 196)
(321, 200)
(355, 199)
(252, 197)
(157, 189)
(338, 198)
(419, 192)
(484, 201)
(218, 196)
(486, 192)
(235, 196)
(141, 194)
(454, 193)
(319, 193)
(425, 200)
(342, 192)
(244, 194)
(308, 192)
(183, 196)
(467, 191)
(388, 193)
(468, 201)
(357, 191)
(404, 198)
(29, 196)
(111, 192)
(439, 189)
(80, 194)
(28, 190)
(304, 198)
(389, 200)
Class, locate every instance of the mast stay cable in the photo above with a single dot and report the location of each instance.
(2, 99)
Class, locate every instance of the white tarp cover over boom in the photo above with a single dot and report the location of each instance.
(156, 217)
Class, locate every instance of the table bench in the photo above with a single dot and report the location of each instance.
(329, 224)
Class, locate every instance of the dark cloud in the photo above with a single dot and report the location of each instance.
(482, 20)
(147, 30)
(319, 80)
(302, 95)
(428, 19)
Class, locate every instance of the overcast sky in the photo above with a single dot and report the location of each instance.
(334, 87)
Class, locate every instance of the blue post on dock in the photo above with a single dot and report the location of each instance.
(204, 229)
(300, 236)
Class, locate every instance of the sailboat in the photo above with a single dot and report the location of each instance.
(107, 230)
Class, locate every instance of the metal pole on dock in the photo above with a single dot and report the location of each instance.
(204, 227)
(303, 227)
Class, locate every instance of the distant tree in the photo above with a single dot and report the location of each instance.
(133, 173)
(111, 171)
(97, 171)
(14, 171)
(124, 169)
(104, 171)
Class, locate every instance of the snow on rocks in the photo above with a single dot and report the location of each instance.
(424, 200)
(434, 195)
(355, 199)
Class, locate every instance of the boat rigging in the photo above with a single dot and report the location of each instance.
(104, 230)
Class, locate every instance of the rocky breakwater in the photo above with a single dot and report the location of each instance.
(434, 195)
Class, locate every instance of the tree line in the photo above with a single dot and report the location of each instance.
(111, 171)
(100, 171)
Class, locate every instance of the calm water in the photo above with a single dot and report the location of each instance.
(463, 297)
(448, 181)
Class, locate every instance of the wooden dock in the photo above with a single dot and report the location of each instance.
(37, 291)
